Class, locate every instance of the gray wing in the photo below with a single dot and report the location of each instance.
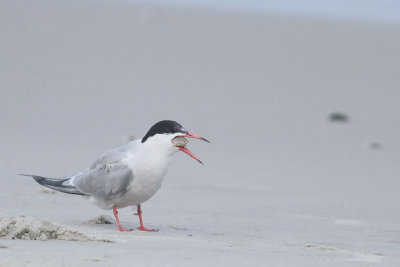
(108, 177)
(109, 157)
(105, 181)
(114, 155)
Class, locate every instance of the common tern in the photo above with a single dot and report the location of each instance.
(128, 175)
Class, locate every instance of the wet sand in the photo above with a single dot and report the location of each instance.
(283, 184)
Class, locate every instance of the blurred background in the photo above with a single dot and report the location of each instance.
(300, 100)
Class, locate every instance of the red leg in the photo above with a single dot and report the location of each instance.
(119, 225)
(141, 227)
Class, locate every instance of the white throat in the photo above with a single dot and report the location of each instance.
(153, 156)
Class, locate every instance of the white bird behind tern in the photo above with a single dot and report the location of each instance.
(128, 175)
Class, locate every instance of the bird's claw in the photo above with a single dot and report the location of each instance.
(142, 228)
(124, 229)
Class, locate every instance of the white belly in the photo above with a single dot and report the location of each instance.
(141, 189)
(148, 172)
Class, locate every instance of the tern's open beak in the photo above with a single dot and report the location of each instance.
(192, 135)
(187, 151)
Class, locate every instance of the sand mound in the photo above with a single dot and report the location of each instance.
(102, 219)
(37, 229)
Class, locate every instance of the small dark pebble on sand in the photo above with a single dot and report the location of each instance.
(375, 145)
(338, 117)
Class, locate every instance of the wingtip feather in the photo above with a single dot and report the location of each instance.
(23, 174)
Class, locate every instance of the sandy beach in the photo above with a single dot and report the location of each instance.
(284, 182)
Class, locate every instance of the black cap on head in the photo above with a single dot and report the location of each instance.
(164, 127)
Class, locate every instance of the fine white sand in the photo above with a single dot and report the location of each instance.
(283, 184)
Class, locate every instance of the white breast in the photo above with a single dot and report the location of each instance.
(148, 172)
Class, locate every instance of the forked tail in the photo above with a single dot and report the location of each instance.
(62, 185)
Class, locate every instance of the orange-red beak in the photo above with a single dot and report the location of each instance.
(187, 151)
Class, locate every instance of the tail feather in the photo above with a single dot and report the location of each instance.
(56, 184)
